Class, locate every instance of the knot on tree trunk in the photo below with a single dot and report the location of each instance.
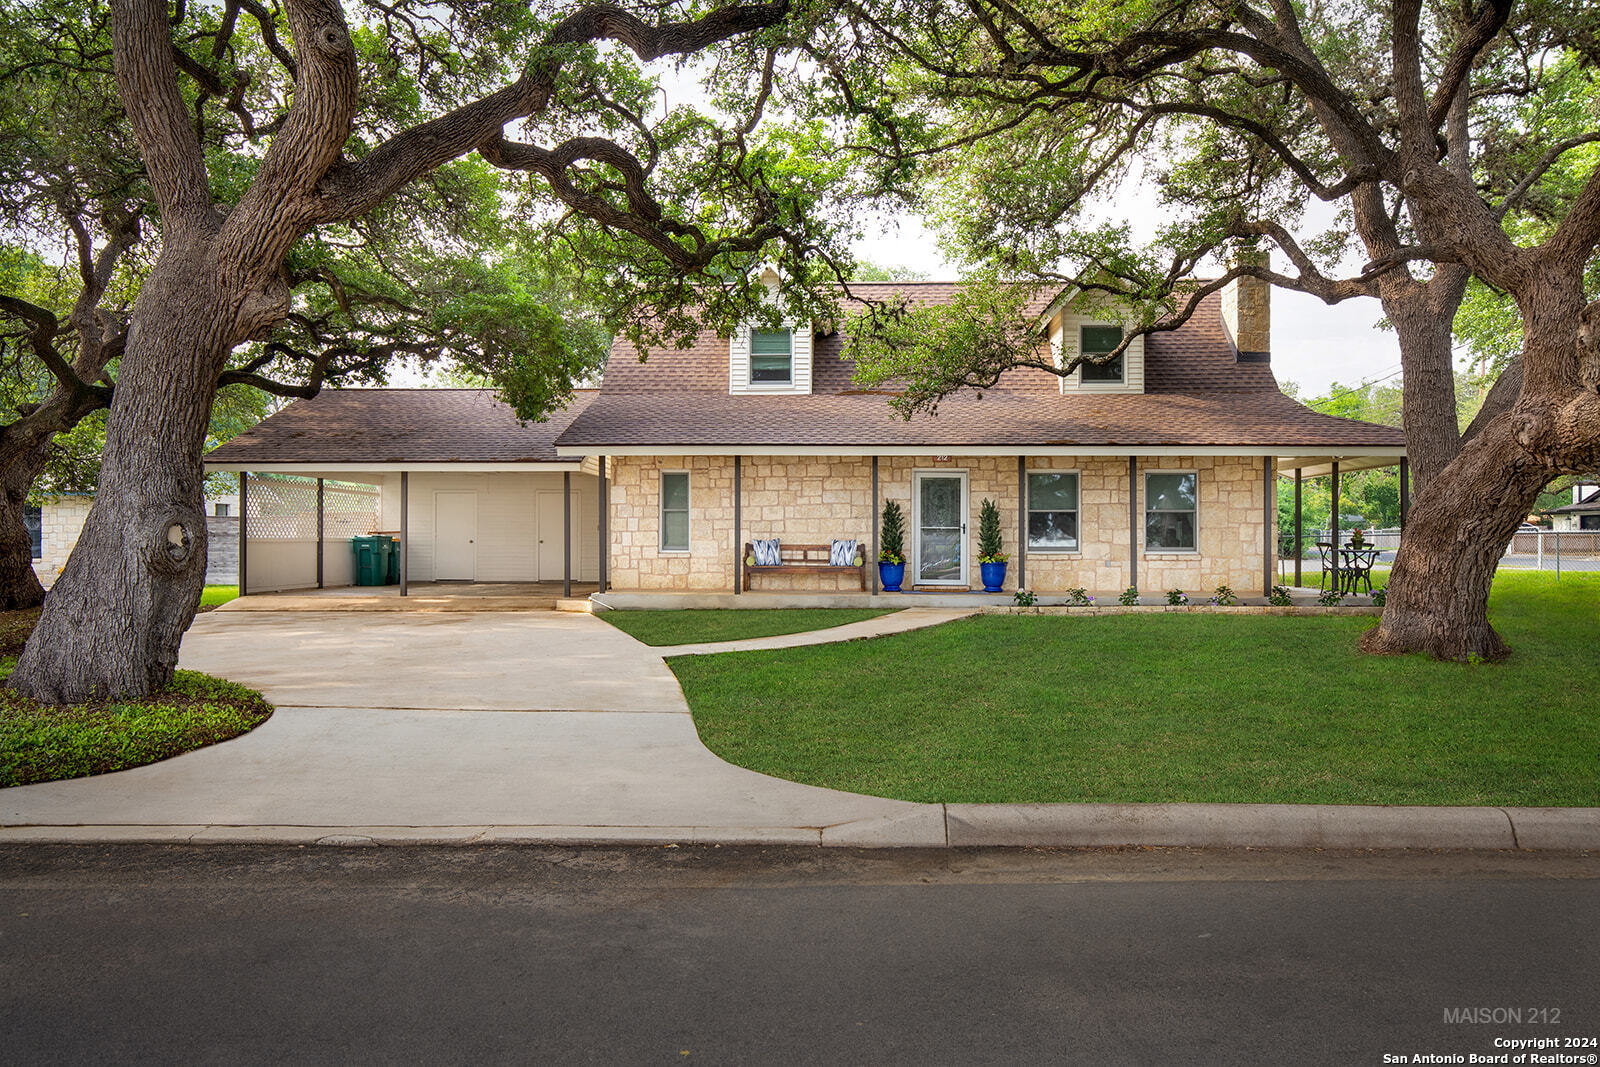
(178, 541)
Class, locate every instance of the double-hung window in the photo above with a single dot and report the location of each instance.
(674, 511)
(1097, 341)
(771, 357)
(1053, 511)
(1171, 505)
(33, 519)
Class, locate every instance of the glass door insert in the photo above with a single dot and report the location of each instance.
(941, 500)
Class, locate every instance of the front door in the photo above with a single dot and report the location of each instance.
(940, 503)
(455, 536)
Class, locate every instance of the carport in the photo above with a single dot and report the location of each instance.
(471, 494)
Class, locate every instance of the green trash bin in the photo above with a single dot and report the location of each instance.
(393, 552)
(370, 567)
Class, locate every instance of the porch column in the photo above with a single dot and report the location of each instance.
(1405, 493)
(1299, 529)
(405, 518)
(566, 534)
(738, 525)
(1269, 515)
(1022, 522)
(319, 532)
(1133, 521)
(605, 540)
(1333, 525)
(872, 557)
(244, 529)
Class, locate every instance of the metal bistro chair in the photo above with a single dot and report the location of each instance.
(1329, 554)
(1357, 568)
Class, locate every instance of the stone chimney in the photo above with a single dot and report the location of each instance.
(1247, 312)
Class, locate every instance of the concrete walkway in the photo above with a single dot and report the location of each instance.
(898, 622)
(413, 727)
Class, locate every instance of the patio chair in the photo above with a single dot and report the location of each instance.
(1357, 568)
(1329, 554)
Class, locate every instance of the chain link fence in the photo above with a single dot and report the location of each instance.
(1543, 550)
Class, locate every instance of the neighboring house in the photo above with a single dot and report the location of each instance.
(1582, 514)
(1158, 471)
(55, 523)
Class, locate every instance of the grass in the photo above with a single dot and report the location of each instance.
(41, 743)
(695, 627)
(1173, 708)
(215, 596)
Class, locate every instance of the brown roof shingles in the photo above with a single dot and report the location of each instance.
(401, 426)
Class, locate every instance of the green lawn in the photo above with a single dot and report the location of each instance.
(1174, 708)
(695, 627)
(216, 595)
(39, 743)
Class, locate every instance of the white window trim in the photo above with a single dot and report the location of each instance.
(661, 514)
(1144, 511)
(786, 386)
(1118, 383)
(1058, 553)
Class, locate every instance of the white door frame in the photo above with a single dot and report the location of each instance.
(473, 541)
(917, 477)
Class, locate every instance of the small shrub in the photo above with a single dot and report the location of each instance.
(1380, 596)
(1128, 597)
(989, 545)
(1177, 597)
(1024, 598)
(1224, 597)
(1078, 598)
(1279, 597)
(1330, 598)
(892, 539)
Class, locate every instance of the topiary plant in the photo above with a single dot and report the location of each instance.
(989, 535)
(892, 541)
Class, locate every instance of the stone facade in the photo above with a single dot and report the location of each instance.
(813, 499)
(61, 520)
(1247, 308)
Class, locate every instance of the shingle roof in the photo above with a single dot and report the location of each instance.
(1196, 394)
(1588, 503)
(400, 426)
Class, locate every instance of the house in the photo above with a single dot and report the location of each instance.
(55, 522)
(1156, 471)
(1582, 514)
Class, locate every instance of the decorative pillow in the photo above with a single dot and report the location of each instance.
(843, 554)
(766, 552)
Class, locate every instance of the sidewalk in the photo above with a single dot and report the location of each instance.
(542, 727)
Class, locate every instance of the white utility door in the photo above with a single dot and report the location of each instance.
(455, 536)
(939, 527)
(548, 523)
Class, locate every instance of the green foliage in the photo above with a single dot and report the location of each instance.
(1177, 597)
(1380, 596)
(1330, 598)
(989, 544)
(1024, 598)
(1165, 708)
(1224, 597)
(1128, 597)
(892, 538)
(1279, 597)
(1079, 598)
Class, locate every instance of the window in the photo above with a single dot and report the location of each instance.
(1097, 341)
(221, 511)
(771, 356)
(1585, 522)
(1053, 511)
(674, 511)
(33, 519)
(1170, 504)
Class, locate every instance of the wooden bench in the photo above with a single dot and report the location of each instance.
(804, 559)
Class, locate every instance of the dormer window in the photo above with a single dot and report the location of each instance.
(1097, 341)
(772, 356)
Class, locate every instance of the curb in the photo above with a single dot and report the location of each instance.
(959, 826)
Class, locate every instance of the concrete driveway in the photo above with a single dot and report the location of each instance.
(460, 726)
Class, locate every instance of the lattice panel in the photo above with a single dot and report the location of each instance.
(350, 509)
(283, 507)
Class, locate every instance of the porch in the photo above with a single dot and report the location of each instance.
(421, 596)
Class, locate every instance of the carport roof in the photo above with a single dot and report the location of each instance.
(400, 426)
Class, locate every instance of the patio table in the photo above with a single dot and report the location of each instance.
(1355, 567)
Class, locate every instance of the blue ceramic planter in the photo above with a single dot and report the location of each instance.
(890, 575)
(994, 576)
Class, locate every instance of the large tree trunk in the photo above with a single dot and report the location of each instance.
(1424, 319)
(113, 621)
(19, 585)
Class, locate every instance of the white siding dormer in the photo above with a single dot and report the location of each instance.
(766, 378)
(1066, 337)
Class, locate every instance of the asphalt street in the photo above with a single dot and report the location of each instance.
(140, 954)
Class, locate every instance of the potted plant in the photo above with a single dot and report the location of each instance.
(991, 561)
(892, 548)
(1358, 539)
